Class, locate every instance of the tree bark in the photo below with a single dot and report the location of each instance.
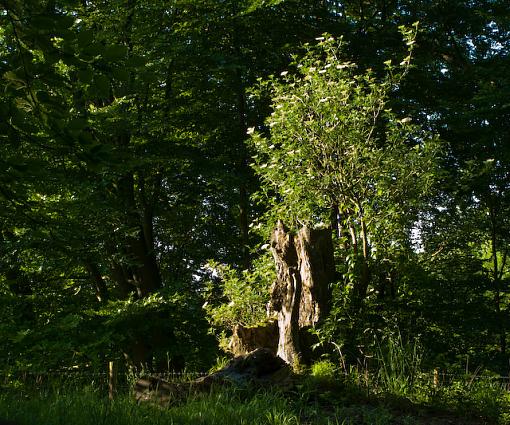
(286, 293)
(243, 157)
(138, 270)
(300, 296)
(317, 271)
(139, 247)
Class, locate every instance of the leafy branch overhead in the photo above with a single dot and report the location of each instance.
(333, 141)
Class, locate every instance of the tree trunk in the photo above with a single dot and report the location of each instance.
(286, 293)
(99, 283)
(138, 270)
(317, 270)
(246, 339)
(300, 296)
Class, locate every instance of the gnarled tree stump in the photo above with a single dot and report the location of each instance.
(301, 294)
(286, 293)
(259, 367)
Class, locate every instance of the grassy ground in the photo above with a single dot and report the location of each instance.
(315, 400)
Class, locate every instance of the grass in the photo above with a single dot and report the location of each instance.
(399, 365)
(89, 408)
(394, 392)
(315, 401)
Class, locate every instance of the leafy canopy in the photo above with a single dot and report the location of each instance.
(333, 141)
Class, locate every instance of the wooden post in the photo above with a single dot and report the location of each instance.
(436, 378)
(112, 380)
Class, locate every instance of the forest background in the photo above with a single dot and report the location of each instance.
(137, 193)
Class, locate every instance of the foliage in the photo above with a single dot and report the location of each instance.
(241, 297)
(121, 170)
(478, 393)
(326, 148)
(336, 151)
(124, 168)
(89, 338)
(324, 369)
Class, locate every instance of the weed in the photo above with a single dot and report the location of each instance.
(221, 362)
(324, 369)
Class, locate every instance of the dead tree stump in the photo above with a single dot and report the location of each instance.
(286, 293)
(260, 367)
(246, 339)
(317, 270)
(301, 294)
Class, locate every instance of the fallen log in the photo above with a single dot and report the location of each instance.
(259, 367)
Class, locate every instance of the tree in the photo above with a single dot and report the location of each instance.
(125, 166)
(102, 159)
(460, 88)
(337, 152)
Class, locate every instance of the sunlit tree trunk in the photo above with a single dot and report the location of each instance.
(300, 296)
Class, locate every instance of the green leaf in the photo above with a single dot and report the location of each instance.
(115, 53)
(102, 85)
(85, 38)
(93, 49)
(121, 74)
(136, 61)
(12, 76)
(77, 124)
(85, 75)
(43, 23)
(85, 138)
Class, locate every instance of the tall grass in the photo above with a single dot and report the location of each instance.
(225, 407)
(398, 365)
(395, 373)
(326, 397)
(475, 395)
